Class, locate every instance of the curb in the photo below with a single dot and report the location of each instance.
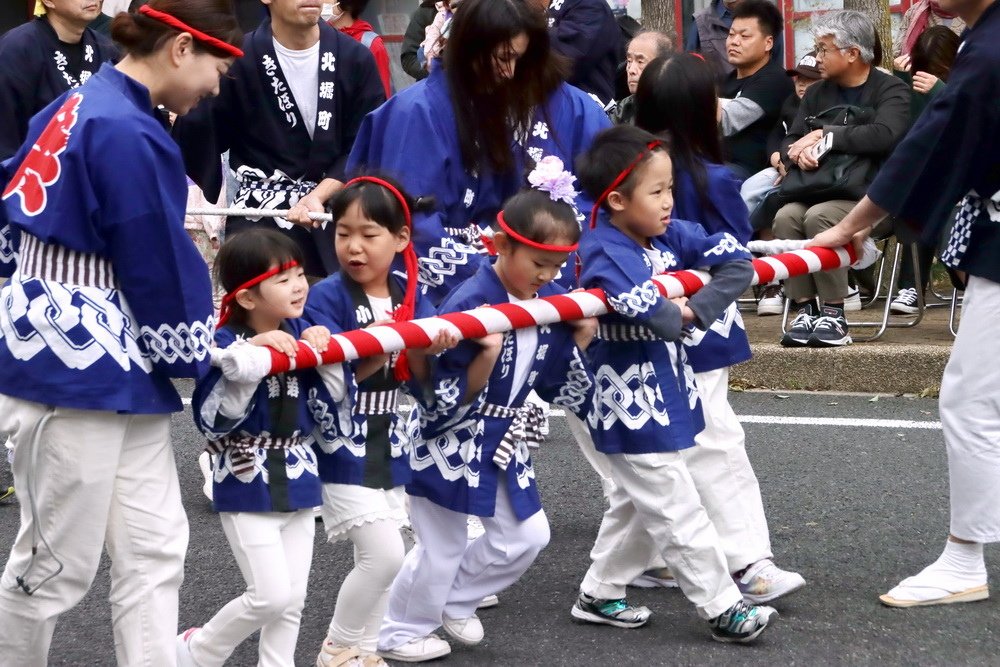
(873, 369)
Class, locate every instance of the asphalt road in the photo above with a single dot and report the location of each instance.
(853, 508)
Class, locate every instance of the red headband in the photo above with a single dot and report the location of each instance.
(407, 309)
(651, 146)
(528, 242)
(226, 310)
(176, 23)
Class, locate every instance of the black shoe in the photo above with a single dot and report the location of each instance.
(830, 329)
(801, 327)
(742, 623)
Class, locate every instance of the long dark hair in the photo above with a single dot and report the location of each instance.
(676, 95)
(935, 51)
(141, 35)
(491, 111)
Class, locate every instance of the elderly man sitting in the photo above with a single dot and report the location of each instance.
(644, 47)
(845, 43)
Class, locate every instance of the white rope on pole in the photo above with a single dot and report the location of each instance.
(255, 213)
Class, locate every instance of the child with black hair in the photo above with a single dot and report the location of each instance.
(361, 449)
(647, 407)
(470, 444)
(265, 480)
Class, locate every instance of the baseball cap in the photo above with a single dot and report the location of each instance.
(806, 67)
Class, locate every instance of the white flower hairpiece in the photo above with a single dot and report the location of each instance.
(549, 176)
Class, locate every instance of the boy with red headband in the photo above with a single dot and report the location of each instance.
(647, 407)
(470, 443)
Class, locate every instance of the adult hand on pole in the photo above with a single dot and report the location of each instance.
(314, 202)
(854, 228)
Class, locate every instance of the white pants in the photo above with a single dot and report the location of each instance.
(446, 574)
(655, 510)
(364, 595)
(724, 478)
(98, 479)
(274, 553)
(970, 416)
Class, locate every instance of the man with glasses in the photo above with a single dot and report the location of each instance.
(845, 51)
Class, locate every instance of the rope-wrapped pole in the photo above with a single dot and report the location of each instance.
(255, 213)
(500, 318)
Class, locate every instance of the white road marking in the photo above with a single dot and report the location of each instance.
(840, 421)
(847, 422)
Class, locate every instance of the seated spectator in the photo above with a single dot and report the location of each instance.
(753, 93)
(845, 43)
(586, 32)
(346, 19)
(925, 70)
(42, 59)
(707, 33)
(409, 54)
(644, 47)
(437, 32)
(771, 298)
(922, 15)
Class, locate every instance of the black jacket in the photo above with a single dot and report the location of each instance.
(886, 94)
(416, 30)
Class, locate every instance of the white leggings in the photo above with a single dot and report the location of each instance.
(445, 574)
(364, 595)
(274, 552)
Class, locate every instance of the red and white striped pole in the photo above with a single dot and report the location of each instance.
(499, 318)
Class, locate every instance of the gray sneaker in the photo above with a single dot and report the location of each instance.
(618, 613)
(801, 328)
(742, 623)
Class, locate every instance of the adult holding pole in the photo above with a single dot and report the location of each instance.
(93, 326)
(948, 156)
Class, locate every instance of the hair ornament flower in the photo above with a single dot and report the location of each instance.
(550, 176)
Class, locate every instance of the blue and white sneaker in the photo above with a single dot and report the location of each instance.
(742, 623)
(618, 613)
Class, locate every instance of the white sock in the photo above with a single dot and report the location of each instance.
(963, 559)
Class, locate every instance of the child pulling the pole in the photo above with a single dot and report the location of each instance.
(265, 480)
(470, 453)
(647, 407)
(362, 459)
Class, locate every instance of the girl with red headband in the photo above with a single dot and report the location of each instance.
(470, 444)
(87, 393)
(363, 460)
(265, 479)
(647, 411)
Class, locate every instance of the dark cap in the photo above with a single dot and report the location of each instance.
(807, 67)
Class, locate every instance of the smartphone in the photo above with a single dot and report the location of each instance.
(824, 146)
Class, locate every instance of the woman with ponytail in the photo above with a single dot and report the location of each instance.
(126, 305)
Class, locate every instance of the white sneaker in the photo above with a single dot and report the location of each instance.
(905, 302)
(420, 649)
(184, 657)
(852, 302)
(764, 581)
(772, 300)
(659, 578)
(488, 601)
(468, 631)
(205, 465)
(337, 655)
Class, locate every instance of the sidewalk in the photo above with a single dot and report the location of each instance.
(909, 360)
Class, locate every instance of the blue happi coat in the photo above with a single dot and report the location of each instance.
(265, 460)
(412, 137)
(725, 343)
(646, 399)
(107, 298)
(453, 444)
(364, 442)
